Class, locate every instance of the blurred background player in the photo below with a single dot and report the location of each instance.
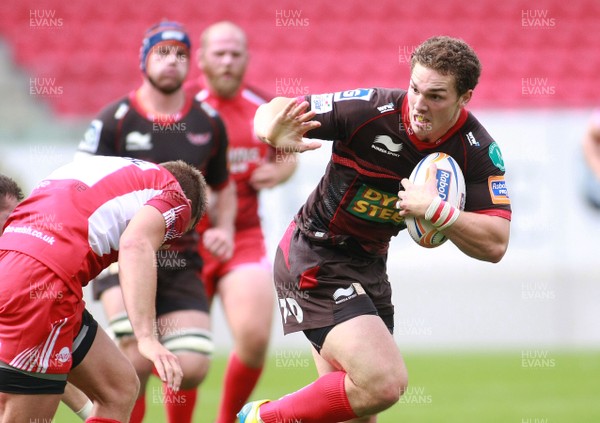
(591, 151)
(103, 209)
(330, 268)
(244, 282)
(10, 195)
(159, 122)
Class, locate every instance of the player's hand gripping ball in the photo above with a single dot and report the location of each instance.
(451, 189)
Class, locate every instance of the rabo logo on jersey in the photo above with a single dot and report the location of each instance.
(498, 190)
(375, 205)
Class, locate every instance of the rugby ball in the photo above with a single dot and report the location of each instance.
(451, 188)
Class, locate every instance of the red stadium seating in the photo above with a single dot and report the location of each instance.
(91, 48)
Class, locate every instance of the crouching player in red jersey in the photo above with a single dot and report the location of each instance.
(75, 223)
(330, 268)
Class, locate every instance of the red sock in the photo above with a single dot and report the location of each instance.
(180, 405)
(238, 383)
(139, 409)
(100, 420)
(323, 401)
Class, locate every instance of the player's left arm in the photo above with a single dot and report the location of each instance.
(137, 274)
(481, 236)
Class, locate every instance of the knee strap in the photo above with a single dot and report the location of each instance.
(191, 339)
(120, 326)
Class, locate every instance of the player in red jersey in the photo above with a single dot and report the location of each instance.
(244, 282)
(76, 222)
(159, 122)
(330, 268)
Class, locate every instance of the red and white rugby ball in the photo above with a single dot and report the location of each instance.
(451, 188)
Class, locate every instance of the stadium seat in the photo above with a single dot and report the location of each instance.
(330, 46)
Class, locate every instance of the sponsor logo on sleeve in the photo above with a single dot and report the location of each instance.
(498, 190)
(386, 107)
(496, 156)
(358, 94)
(472, 140)
(91, 138)
(321, 103)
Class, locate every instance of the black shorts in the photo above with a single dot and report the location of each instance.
(179, 286)
(321, 286)
(29, 383)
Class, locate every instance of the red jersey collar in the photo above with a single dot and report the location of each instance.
(462, 118)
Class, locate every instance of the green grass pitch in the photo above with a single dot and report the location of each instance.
(521, 386)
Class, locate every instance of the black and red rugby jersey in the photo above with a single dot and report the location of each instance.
(196, 135)
(373, 150)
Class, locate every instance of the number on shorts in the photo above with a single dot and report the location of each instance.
(290, 307)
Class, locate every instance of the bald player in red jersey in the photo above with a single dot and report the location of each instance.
(330, 267)
(76, 222)
(244, 282)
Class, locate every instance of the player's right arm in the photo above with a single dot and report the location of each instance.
(138, 244)
(282, 123)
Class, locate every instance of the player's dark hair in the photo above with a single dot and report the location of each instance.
(10, 188)
(449, 56)
(193, 185)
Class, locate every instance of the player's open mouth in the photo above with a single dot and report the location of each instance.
(420, 121)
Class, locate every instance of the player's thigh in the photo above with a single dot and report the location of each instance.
(322, 365)
(365, 349)
(105, 375)
(248, 299)
(27, 408)
(174, 322)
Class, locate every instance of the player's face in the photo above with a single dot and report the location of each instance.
(7, 205)
(223, 61)
(167, 67)
(434, 105)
